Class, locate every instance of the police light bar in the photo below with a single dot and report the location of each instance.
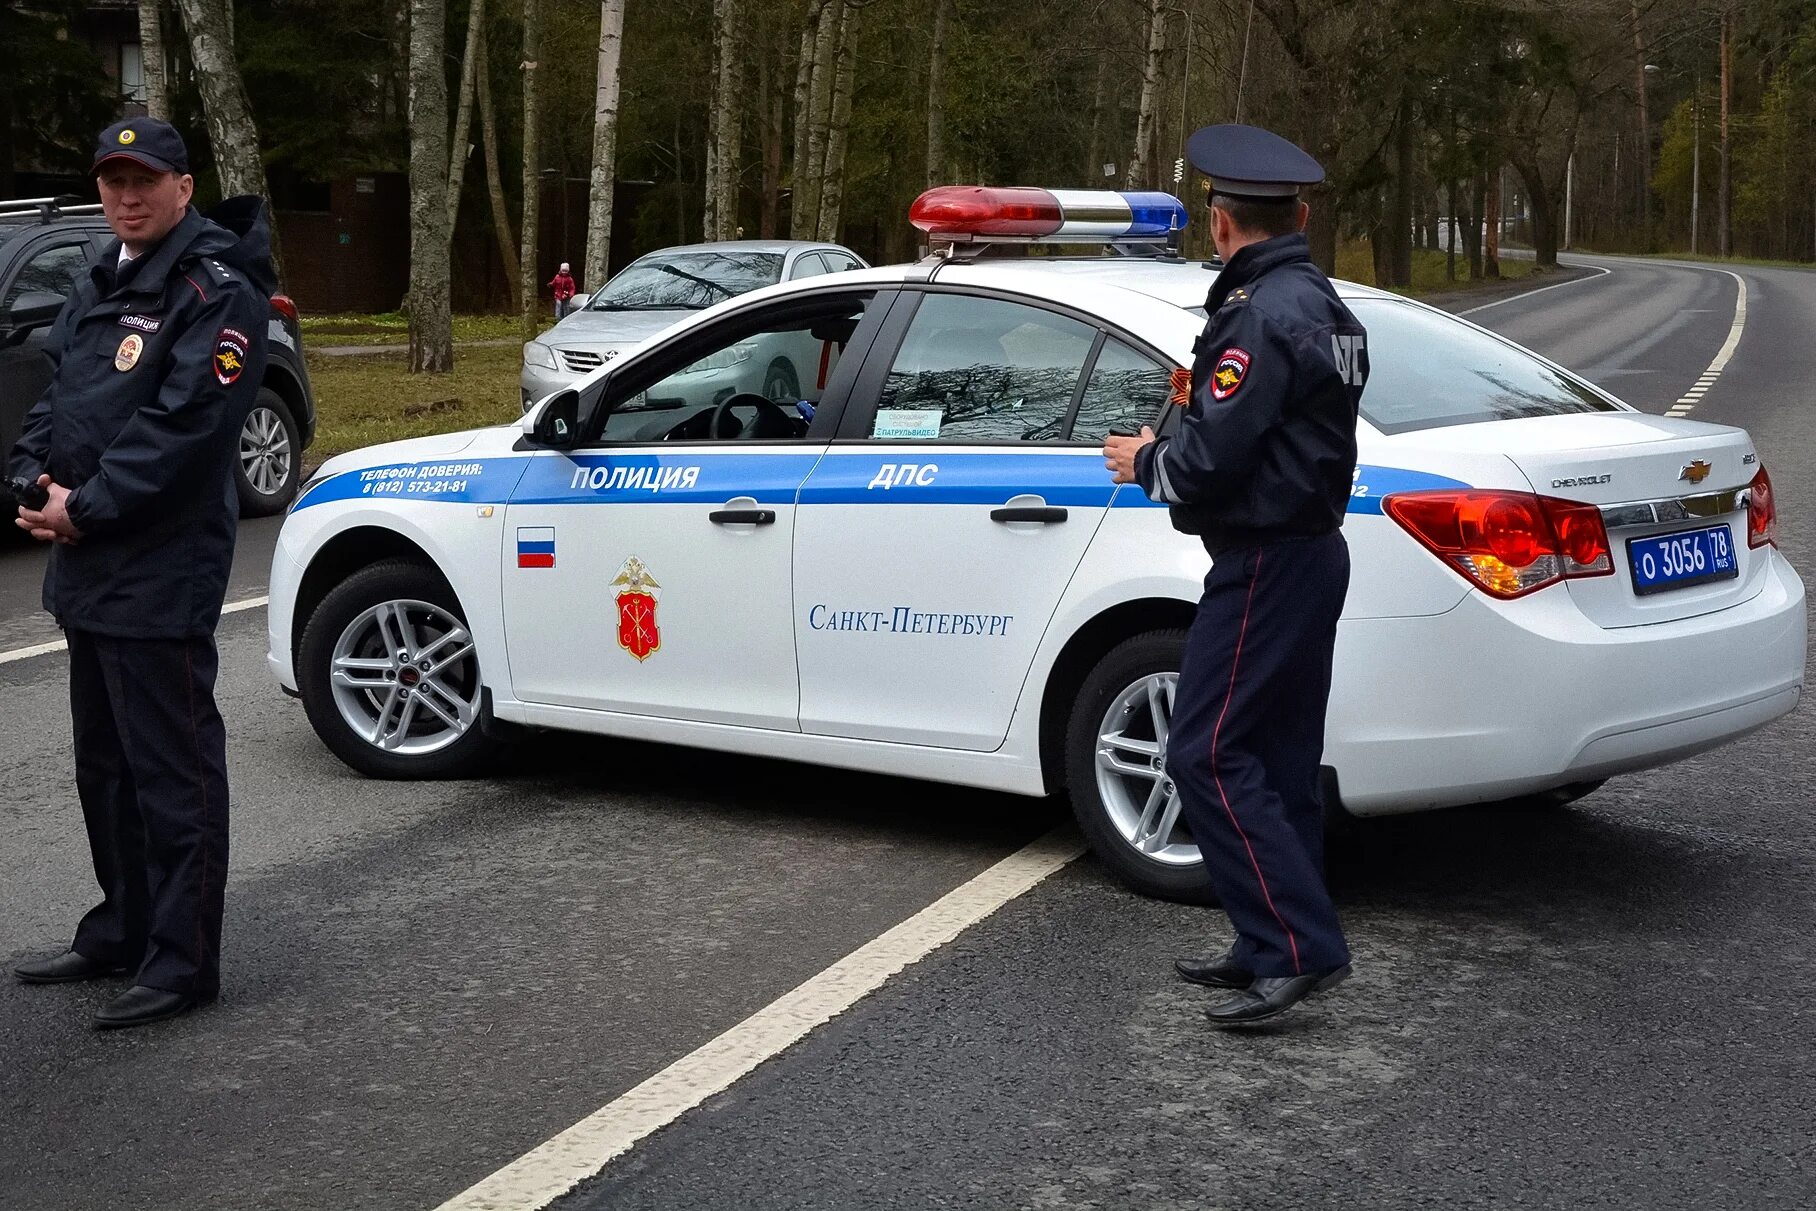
(961, 213)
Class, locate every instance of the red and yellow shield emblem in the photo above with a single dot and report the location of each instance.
(638, 631)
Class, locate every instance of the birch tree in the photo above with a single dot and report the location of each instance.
(936, 95)
(488, 124)
(461, 149)
(800, 171)
(605, 147)
(431, 323)
(1150, 81)
(838, 127)
(810, 183)
(529, 273)
(225, 108)
(728, 121)
(152, 58)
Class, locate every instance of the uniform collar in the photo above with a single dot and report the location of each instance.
(146, 273)
(1254, 260)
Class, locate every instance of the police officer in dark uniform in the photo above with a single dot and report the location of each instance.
(128, 458)
(1261, 468)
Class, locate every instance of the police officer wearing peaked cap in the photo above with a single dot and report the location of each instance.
(1261, 467)
(159, 353)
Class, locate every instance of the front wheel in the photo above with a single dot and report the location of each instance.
(389, 675)
(1116, 749)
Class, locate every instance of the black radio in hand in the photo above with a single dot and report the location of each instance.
(28, 492)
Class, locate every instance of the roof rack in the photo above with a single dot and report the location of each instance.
(48, 209)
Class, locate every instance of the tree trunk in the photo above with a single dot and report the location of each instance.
(1100, 100)
(1544, 214)
(819, 115)
(461, 150)
(488, 120)
(605, 147)
(152, 60)
(1645, 129)
(1478, 207)
(1399, 203)
(529, 275)
(709, 213)
(1450, 230)
(771, 105)
(1723, 190)
(1491, 225)
(231, 131)
(803, 115)
(832, 181)
(1139, 164)
(936, 97)
(431, 324)
(1321, 228)
(729, 122)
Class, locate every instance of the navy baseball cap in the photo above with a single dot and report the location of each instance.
(1251, 163)
(153, 143)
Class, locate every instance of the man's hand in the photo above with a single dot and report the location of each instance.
(1119, 454)
(51, 523)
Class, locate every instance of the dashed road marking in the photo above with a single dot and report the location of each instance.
(552, 1169)
(58, 645)
(1686, 403)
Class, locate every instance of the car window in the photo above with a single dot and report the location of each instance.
(757, 381)
(838, 262)
(687, 281)
(1126, 390)
(807, 265)
(1426, 370)
(49, 271)
(978, 369)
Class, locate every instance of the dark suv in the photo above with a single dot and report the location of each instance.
(45, 245)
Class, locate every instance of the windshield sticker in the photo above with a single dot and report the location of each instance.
(907, 424)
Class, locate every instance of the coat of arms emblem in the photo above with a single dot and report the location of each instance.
(638, 593)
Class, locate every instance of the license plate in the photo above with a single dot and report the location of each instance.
(1677, 561)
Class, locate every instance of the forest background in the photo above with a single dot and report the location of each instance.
(1602, 123)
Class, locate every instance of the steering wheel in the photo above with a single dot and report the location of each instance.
(769, 416)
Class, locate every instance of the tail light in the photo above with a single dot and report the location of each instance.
(1508, 544)
(1762, 512)
(284, 305)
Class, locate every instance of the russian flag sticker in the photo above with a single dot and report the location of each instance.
(536, 546)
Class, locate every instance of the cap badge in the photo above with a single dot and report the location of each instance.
(127, 136)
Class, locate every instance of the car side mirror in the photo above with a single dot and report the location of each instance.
(555, 422)
(578, 303)
(33, 309)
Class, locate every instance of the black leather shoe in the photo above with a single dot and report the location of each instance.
(1215, 973)
(1272, 996)
(66, 968)
(141, 1006)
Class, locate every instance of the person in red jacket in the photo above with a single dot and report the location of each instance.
(563, 285)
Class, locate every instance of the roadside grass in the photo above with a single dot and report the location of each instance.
(363, 400)
(393, 328)
(1355, 263)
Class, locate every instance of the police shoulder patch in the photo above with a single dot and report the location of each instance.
(219, 272)
(230, 350)
(1231, 368)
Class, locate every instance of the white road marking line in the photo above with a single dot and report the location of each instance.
(58, 645)
(1707, 378)
(553, 1168)
(1541, 290)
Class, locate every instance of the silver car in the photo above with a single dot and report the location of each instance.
(661, 287)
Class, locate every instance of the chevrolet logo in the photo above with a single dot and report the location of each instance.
(1695, 471)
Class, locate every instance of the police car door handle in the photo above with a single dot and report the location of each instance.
(742, 517)
(1044, 514)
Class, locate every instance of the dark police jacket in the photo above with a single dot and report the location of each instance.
(1267, 447)
(157, 366)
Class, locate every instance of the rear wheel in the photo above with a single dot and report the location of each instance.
(1116, 748)
(270, 457)
(389, 675)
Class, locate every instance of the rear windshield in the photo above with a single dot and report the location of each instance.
(1426, 370)
(688, 281)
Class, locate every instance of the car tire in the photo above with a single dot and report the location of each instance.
(268, 462)
(357, 690)
(780, 382)
(1115, 702)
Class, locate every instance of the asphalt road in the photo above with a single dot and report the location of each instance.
(1604, 1006)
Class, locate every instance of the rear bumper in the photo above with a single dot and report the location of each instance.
(1496, 699)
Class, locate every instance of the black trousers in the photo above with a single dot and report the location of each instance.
(151, 769)
(1247, 742)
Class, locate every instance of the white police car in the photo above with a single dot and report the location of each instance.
(920, 566)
